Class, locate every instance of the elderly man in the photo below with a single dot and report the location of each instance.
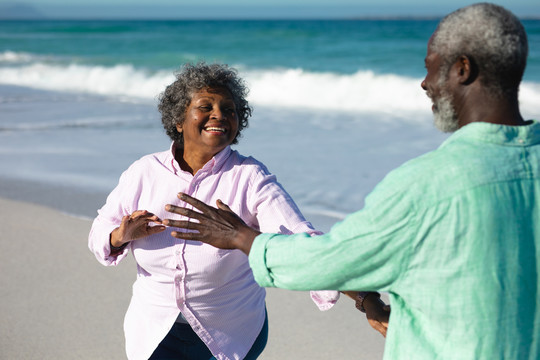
(453, 236)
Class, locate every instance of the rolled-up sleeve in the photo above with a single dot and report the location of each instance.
(110, 217)
(257, 261)
(98, 242)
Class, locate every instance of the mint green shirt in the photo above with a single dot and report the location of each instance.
(454, 238)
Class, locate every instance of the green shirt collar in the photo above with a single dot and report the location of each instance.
(499, 134)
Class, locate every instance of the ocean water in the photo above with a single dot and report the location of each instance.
(337, 104)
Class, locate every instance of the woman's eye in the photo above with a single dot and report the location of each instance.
(205, 108)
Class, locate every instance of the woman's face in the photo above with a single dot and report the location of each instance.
(210, 124)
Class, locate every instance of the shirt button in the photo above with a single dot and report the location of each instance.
(521, 141)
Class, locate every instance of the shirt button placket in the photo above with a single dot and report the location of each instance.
(179, 275)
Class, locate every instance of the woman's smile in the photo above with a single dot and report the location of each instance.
(215, 130)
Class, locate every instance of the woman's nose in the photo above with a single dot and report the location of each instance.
(217, 114)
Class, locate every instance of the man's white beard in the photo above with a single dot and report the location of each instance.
(445, 117)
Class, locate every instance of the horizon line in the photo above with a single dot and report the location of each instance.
(240, 18)
(25, 11)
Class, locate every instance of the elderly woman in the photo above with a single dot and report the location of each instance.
(191, 300)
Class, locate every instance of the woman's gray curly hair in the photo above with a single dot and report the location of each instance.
(191, 78)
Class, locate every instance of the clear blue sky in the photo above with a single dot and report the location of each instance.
(249, 8)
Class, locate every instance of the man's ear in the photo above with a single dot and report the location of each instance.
(466, 70)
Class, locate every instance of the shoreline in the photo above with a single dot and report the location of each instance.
(60, 303)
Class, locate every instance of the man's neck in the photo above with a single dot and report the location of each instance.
(492, 110)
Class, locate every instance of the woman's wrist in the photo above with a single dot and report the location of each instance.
(114, 243)
(114, 248)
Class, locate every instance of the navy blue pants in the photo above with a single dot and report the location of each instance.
(183, 343)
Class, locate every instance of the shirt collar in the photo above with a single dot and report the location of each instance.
(499, 134)
(214, 165)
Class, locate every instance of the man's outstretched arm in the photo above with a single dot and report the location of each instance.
(222, 228)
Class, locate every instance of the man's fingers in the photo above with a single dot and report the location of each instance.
(382, 330)
(182, 224)
(185, 212)
(187, 225)
(194, 202)
(188, 235)
(221, 205)
(378, 326)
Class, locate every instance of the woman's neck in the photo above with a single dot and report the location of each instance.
(190, 161)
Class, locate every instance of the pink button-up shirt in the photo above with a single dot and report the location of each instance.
(213, 289)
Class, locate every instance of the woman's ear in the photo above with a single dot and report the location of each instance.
(179, 128)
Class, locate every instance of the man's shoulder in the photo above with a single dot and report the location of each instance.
(418, 170)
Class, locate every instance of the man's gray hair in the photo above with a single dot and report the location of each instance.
(492, 37)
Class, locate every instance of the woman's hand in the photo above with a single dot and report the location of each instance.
(219, 227)
(135, 226)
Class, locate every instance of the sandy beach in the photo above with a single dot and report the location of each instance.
(60, 303)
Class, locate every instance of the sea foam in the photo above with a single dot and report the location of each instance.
(363, 91)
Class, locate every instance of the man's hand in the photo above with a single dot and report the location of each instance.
(377, 312)
(219, 227)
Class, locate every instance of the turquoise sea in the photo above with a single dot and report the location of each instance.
(337, 103)
(31, 52)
